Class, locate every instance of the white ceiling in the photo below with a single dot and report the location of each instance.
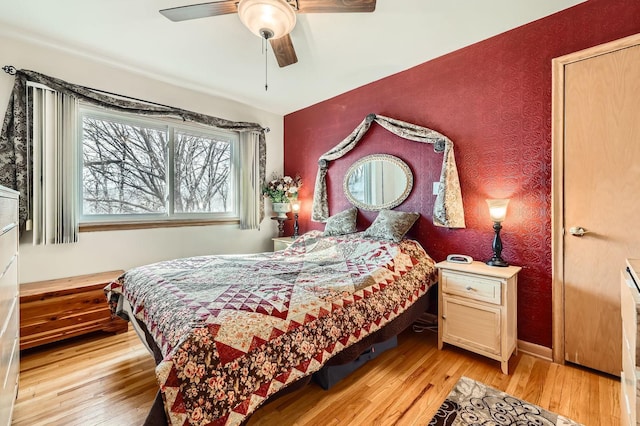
(218, 55)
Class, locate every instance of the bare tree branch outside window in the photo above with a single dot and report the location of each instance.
(201, 177)
(125, 170)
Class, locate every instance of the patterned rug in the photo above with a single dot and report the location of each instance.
(474, 403)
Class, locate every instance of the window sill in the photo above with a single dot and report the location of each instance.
(120, 226)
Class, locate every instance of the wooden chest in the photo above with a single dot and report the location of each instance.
(58, 309)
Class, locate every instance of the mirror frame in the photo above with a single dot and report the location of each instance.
(379, 157)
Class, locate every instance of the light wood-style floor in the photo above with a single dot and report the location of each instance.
(109, 380)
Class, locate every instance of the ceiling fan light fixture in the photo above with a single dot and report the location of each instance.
(267, 18)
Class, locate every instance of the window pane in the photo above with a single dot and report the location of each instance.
(202, 174)
(124, 167)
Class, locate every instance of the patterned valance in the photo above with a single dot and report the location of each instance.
(448, 210)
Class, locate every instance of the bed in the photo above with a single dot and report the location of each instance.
(231, 332)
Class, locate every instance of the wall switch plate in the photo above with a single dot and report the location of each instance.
(436, 187)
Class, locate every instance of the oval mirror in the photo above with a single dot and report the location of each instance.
(377, 182)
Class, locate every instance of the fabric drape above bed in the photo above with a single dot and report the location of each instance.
(448, 210)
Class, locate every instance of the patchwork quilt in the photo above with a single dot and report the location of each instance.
(234, 330)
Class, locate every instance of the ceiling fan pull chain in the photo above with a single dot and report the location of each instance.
(266, 59)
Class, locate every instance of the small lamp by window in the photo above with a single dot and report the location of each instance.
(497, 211)
(295, 207)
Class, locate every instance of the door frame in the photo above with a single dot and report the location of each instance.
(557, 181)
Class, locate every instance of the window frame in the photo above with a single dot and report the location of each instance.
(169, 218)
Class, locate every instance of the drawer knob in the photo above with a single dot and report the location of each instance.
(469, 288)
(444, 318)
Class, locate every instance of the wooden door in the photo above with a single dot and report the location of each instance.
(602, 196)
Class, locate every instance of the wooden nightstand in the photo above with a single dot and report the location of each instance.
(477, 309)
(281, 243)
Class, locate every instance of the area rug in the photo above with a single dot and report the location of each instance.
(474, 403)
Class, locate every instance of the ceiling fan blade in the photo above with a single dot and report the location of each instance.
(202, 10)
(284, 51)
(336, 6)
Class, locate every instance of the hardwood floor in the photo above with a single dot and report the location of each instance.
(109, 380)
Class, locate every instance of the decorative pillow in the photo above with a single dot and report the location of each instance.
(391, 225)
(341, 223)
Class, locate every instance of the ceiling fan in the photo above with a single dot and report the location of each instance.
(271, 20)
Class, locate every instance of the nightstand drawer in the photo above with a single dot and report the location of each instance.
(472, 287)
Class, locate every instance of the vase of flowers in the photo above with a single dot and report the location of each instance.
(281, 190)
(281, 209)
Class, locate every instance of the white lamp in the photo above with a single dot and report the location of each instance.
(267, 18)
(498, 209)
(498, 212)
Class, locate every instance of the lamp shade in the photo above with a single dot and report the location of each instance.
(295, 206)
(267, 18)
(498, 209)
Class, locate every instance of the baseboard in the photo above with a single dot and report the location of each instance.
(535, 350)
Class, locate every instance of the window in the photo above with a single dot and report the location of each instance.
(137, 168)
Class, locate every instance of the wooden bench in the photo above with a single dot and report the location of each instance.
(58, 309)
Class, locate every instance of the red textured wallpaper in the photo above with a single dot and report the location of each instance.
(493, 100)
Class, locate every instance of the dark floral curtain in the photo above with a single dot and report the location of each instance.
(14, 170)
(13, 148)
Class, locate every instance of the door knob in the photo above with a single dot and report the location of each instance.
(578, 231)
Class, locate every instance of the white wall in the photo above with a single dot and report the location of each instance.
(103, 251)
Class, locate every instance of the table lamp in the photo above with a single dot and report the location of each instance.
(295, 207)
(497, 211)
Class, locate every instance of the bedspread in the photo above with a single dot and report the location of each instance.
(234, 330)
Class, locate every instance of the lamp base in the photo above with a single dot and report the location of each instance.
(281, 221)
(496, 261)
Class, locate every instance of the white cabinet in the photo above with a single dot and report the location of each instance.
(9, 307)
(477, 309)
(629, 379)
